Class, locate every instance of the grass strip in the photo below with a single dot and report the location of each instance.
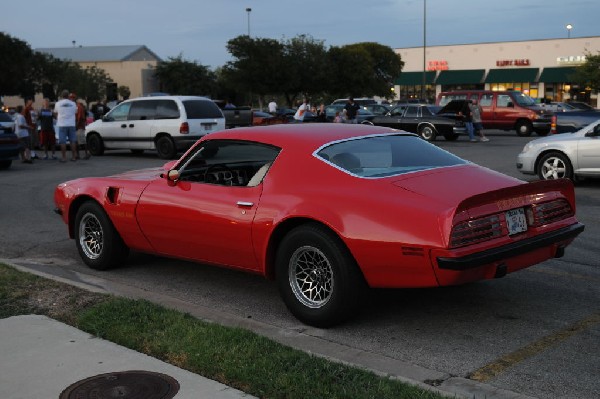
(233, 356)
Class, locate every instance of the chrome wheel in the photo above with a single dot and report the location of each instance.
(311, 277)
(91, 236)
(427, 133)
(555, 166)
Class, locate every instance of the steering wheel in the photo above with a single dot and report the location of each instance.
(209, 175)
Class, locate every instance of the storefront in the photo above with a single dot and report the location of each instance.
(543, 69)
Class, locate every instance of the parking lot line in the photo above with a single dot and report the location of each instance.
(497, 367)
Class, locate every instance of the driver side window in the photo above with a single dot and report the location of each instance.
(228, 162)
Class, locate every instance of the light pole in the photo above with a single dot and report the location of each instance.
(424, 47)
(569, 27)
(248, 10)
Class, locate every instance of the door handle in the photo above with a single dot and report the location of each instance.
(245, 204)
(131, 125)
(124, 126)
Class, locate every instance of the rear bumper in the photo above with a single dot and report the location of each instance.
(511, 250)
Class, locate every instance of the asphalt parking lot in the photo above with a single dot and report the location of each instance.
(535, 333)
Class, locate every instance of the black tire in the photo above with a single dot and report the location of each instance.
(451, 137)
(555, 165)
(427, 133)
(5, 164)
(95, 144)
(166, 147)
(318, 279)
(524, 128)
(98, 242)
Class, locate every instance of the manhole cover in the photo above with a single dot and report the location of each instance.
(124, 384)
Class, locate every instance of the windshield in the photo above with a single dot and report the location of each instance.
(524, 100)
(387, 155)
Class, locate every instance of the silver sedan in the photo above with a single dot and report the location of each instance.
(567, 155)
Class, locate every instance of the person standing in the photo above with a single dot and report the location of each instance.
(299, 115)
(65, 111)
(273, 107)
(80, 122)
(99, 110)
(465, 112)
(47, 133)
(31, 119)
(477, 122)
(351, 111)
(22, 129)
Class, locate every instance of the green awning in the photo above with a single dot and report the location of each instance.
(415, 78)
(558, 74)
(473, 76)
(512, 75)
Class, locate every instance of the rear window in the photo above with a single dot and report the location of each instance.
(388, 155)
(202, 109)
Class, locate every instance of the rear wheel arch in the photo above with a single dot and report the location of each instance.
(165, 146)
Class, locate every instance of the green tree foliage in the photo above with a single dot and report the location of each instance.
(256, 69)
(180, 77)
(588, 74)
(16, 67)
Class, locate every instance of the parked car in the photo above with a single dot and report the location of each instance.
(9, 142)
(360, 101)
(558, 107)
(506, 110)
(167, 124)
(581, 106)
(260, 118)
(236, 116)
(569, 155)
(362, 116)
(428, 121)
(565, 122)
(377, 109)
(325, 210)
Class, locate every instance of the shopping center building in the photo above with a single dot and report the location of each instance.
(543, 69)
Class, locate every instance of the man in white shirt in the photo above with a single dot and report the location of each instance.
(272, 107)
(299, 115)
(65, 111)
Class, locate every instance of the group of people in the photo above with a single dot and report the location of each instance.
(69, 116)
(471, 113)
(347, 115)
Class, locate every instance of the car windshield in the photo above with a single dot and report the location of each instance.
(524, 100)
(4, 117)
(386, 155)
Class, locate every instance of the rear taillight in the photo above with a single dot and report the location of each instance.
(477, 230)
(184, 128)
(548, 212)
(493, 226)
(553, 125)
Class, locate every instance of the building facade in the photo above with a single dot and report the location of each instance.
(543, 69)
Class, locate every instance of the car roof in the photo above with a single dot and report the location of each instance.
(181, 98)
(301, 136)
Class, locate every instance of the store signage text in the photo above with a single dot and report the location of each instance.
(571, 60)
(437, 65)
(518, 62)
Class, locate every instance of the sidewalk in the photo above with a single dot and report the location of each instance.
(41, 357)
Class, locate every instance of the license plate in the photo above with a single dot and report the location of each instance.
(516, 221)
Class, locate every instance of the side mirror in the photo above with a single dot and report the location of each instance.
(173, 175)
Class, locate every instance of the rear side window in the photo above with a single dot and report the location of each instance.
(389, 155)
(411, 112)
(486, 100)
(446, 98)
(202, 109)
(142, 110)
(167, 109)
(502, 100)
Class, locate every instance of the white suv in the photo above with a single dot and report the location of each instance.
(167, 124)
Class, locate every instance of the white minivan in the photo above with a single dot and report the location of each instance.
(167, 124)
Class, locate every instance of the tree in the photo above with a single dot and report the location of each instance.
(258, 67)
(16, 69)
(181, 77)
(588, 74)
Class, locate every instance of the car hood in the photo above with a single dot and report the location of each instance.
(452, 185)
(141, 174)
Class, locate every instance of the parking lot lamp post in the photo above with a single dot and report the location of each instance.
(569, 27)
(424, 47)
(248, 10)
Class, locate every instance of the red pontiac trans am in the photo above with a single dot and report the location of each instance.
(326, 210)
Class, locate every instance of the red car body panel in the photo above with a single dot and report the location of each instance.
(397, 228)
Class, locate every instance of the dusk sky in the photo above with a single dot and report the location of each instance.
(199, 29)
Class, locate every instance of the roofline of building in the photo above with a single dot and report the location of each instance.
(495, 42)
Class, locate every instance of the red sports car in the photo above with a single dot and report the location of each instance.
(326, 210)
